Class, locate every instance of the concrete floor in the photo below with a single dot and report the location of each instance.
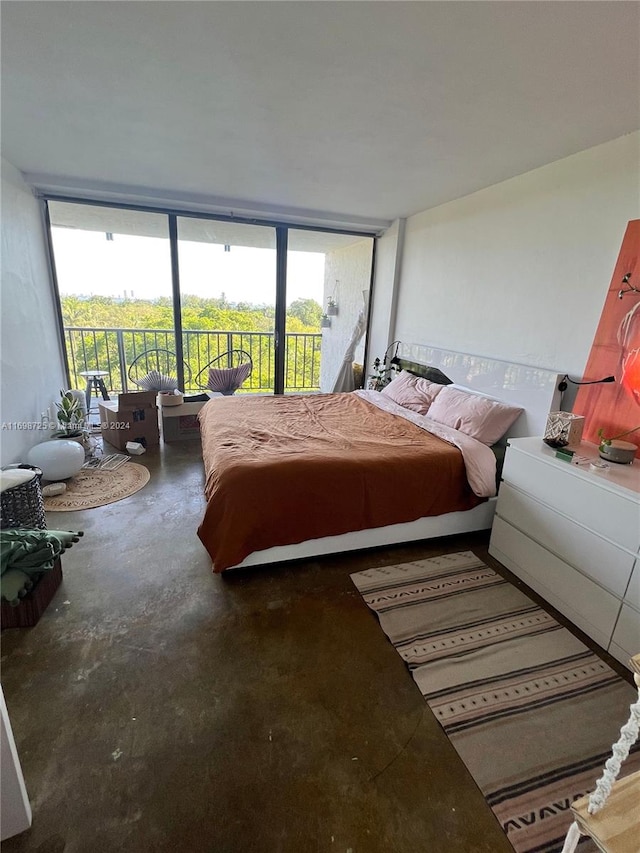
(159, 707)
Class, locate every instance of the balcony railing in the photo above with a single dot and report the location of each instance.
(114, 350)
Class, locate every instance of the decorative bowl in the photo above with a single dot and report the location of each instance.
(622, 452)
(170, 398)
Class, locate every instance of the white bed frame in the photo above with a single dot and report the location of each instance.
(532, 388)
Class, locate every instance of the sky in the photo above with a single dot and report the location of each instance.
(89, 264)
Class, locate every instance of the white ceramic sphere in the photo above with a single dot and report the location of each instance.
(59, 458)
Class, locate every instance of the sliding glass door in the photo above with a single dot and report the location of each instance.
(227, 274)
(328, 280)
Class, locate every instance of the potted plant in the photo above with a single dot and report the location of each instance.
(332, 307)
(382, 375)
(615, 450)
(70, 417)
(325, 321)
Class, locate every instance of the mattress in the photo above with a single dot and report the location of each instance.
(285, 469)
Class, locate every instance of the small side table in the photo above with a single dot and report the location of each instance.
(95, 380)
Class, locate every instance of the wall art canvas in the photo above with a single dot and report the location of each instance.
(615, 407)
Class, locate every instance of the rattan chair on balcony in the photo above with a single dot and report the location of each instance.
(157, 370)
(225, 373)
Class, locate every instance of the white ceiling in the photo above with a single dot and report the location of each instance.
(332, 111)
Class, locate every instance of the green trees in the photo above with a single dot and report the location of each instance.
(102, 312)
(308, 311)
(213, 319)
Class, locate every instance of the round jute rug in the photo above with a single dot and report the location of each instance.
(91, 488)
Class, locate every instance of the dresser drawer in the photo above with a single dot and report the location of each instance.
(571, 491)
(598, 558)
(581, 600)
(626, 635)
(632, 596)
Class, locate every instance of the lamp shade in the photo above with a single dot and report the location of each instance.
(631, 374)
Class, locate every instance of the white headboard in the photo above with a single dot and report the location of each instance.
(533, 388)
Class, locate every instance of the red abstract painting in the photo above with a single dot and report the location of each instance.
(615, 408)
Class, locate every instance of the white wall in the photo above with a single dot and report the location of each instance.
(385, 290)
(519, 271)
(31, 363)
(351, 268)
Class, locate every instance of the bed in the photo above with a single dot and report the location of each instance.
(302, 475)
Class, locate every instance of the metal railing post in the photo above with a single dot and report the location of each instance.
(122, 359)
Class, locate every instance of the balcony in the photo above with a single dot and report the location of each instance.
(114, 350)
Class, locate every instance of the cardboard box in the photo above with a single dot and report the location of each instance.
(132, 417)
(180, 423)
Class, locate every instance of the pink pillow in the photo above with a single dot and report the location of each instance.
(411, 392)
(227, 380)
(481, 418)
(429, 390)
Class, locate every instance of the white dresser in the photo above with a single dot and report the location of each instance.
(573, 535)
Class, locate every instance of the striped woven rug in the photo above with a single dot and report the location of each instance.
(530, 709)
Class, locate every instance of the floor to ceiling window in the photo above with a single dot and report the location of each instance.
(228, 299)
(328, 280)
(206, 292)
(114, 279)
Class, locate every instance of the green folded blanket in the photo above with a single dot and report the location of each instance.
(29, 552)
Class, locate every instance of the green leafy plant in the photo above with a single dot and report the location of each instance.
(70, 416)
(607, 441)
(382, 375)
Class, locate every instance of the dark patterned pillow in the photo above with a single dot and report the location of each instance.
(433, 374)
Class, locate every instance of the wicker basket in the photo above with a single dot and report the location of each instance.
(22, 506)
(35, 602)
